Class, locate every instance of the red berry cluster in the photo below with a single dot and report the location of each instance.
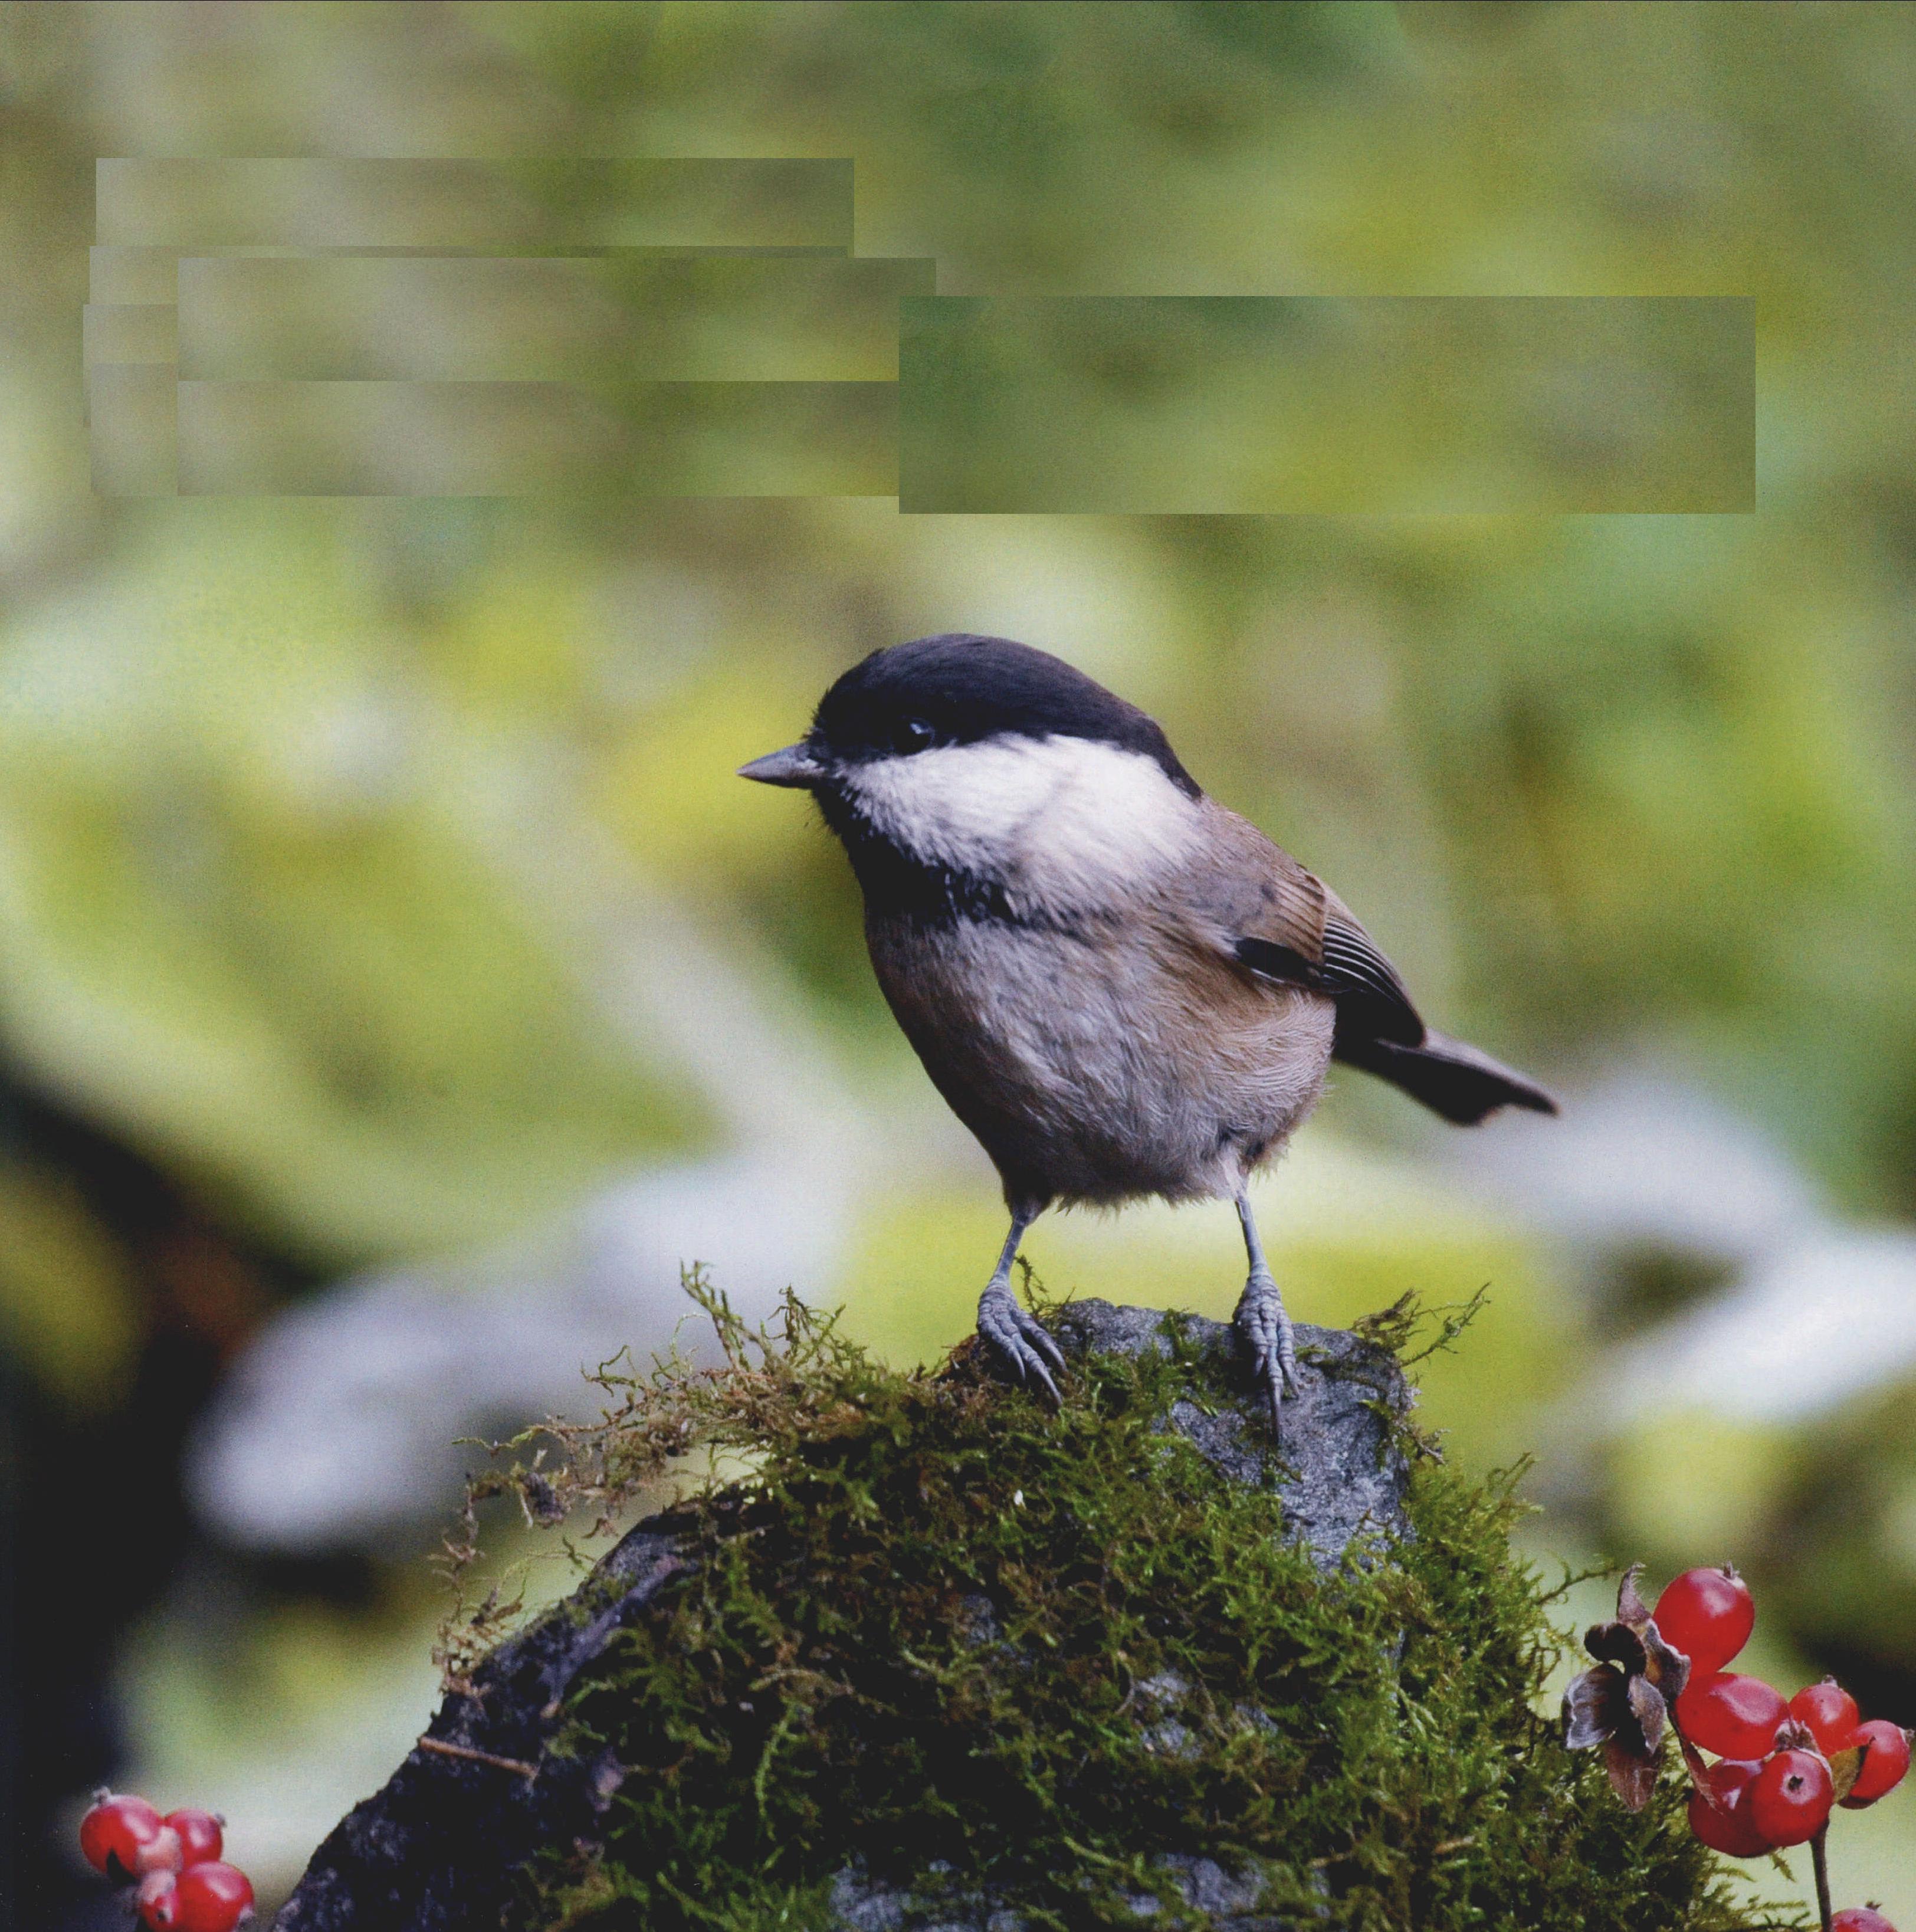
(174, 1862)
(1782, 1767)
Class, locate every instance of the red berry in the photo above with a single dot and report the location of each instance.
(214, 1898)
(164, 1853)
(1730, 1828)
(1790, 1798)
(202, 1834)
(1733, 1716)
(116, 1834)
(1830, 1711)
(157, 1901)
(1708, 1615)
(1860, 1919)
(1885, 1760)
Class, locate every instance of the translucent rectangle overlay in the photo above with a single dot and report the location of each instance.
(132, 436)
(708, 318)
(1279, 405)
(129, 332)
(504, 206)
(127, 274)
(534, 438)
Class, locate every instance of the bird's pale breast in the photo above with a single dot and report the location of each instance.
(1106, 1060)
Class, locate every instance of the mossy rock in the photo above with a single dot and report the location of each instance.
(946, 1658)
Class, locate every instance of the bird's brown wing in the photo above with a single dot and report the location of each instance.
(1283, 924)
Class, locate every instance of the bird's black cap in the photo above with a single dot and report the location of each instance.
(957, 688)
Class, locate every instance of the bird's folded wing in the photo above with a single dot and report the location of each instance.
(1283, 923)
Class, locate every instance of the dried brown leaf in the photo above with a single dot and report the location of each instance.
(1616, 1643)
(1669, 1669)
(1630, 1607)
(1632, 1777)
(1646, 1703)
(1592, 1705)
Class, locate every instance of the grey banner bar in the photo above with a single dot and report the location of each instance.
(531, 439)
(506, 205)
(408, 318)
(474, 204)
(132, 437)
(1233, 404)
(125, 332)
(123, 274)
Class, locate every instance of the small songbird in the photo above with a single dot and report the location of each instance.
(1121, 987)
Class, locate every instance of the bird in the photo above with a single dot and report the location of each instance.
(1121, 987)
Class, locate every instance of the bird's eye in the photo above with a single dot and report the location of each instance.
(915, 735)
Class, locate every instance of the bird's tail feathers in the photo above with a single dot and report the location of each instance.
(1449, 1076)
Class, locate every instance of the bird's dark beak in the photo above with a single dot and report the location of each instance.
(794, 765)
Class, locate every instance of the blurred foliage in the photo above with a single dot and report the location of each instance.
(65, 1299)
(314, 816)
(241, 914)
(1845, 1537)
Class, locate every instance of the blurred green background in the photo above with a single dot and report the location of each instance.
(384, 938)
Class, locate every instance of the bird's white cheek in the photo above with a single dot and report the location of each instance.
(958, 806)
(1057, 819)
(1106, 833)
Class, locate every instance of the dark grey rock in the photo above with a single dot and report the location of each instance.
(1337, 1467)
(1155, 1700)
(1205, 1884)
(442, 1845)
(860, 1905)
(1231, 1898)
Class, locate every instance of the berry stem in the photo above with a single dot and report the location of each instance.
(1699, 1772)
(1818, 1858)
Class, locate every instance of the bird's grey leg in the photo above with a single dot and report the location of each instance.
(1017, 1335)
(1261, 1323)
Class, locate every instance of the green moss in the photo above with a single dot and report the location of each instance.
(939, 1623)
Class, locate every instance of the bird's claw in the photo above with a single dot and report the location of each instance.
(1264, 1328)
(1021, 1339)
